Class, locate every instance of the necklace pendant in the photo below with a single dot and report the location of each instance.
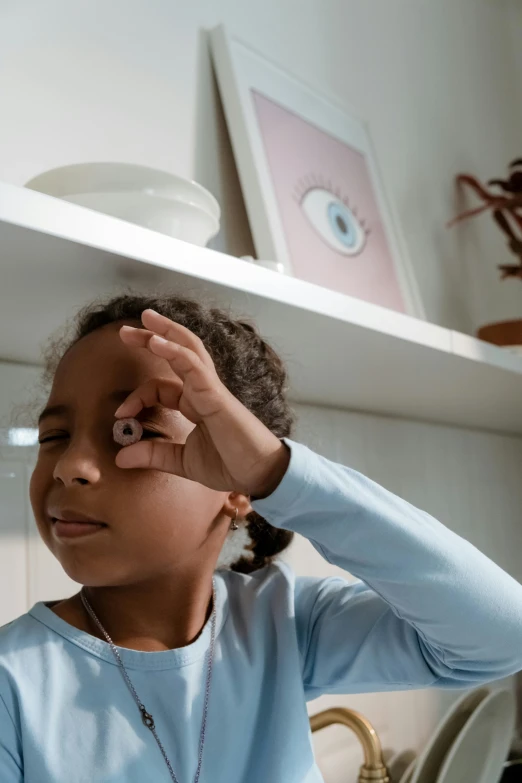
(148, 720)
(146, 717)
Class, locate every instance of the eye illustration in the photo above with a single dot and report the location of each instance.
(335, 222)
(332, 217)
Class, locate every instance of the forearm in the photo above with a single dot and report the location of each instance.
(467, 609)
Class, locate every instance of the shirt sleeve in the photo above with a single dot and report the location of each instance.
(11, 765)
(429, 610)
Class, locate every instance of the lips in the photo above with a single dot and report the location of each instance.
(68, 515)
(76, 530)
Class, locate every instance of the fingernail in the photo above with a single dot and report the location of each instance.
(160, 340)
(118, 410)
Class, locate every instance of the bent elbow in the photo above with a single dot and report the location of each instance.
(452, 671)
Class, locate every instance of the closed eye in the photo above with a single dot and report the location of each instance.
(51, 437)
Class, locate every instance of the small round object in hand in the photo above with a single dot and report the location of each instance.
(127, 431)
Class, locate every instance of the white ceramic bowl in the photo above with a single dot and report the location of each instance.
(155, 199)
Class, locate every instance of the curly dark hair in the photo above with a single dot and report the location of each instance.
(247, 365)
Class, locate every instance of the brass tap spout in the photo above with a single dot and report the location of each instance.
(374, 768)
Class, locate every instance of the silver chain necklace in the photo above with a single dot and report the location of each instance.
(146, 717)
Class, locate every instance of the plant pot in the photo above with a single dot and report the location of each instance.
(506, 334)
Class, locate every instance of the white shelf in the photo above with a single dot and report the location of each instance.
(341, 351)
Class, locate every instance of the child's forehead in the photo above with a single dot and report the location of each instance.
(104, 358)
(87, 381)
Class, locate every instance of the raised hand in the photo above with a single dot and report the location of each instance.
(229, 449)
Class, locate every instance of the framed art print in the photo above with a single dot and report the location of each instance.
(310, 182)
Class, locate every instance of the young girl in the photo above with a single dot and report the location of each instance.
(164, 668)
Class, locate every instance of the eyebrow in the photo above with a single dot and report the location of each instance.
(60, 410)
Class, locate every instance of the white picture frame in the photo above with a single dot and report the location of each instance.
(247, 81)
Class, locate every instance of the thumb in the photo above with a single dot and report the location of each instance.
(155, 455)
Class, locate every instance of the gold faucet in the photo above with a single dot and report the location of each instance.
(374, 768)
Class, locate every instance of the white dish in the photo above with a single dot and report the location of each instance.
(273, 266)
(431, 759)
(155, 199)
(482, 747)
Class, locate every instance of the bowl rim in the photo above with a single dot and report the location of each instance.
(51, 182)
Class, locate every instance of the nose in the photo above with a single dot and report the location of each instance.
(78, 464)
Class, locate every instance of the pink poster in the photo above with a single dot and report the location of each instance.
(333, 229)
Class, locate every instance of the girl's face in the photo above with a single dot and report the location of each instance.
(156, 522)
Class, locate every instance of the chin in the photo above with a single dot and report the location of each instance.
(90, 575)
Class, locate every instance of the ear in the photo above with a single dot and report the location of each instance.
(237, 500)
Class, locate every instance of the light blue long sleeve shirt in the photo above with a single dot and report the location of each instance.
(429, 610)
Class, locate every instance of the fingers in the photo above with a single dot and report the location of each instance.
(155, 455)
(157, 391)
(202, 389)
(163, 329)
(170, 330)
(184, 362)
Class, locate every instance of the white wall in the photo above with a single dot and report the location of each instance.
(514, 51)
(131, 81)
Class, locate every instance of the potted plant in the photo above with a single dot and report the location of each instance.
(503, 198)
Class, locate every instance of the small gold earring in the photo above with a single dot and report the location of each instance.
(234, 525)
